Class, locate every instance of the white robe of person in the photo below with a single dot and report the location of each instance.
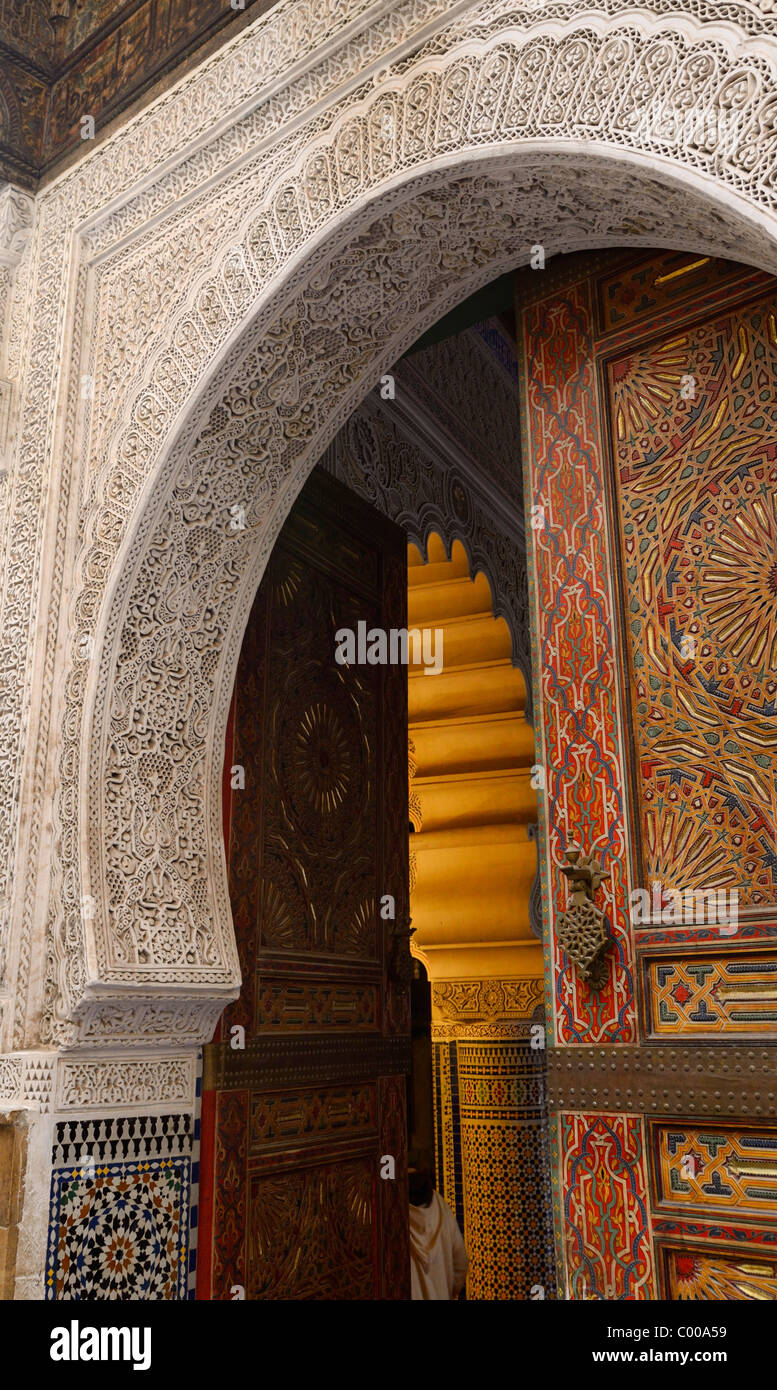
(438, 1256)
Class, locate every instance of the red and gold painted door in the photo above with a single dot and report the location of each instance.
(304, 1087)
(650, 440)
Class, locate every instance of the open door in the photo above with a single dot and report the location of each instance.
(651, 475)
(303, 1169)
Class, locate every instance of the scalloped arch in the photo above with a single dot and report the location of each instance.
(426, 185)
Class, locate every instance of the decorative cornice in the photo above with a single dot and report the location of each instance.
(664, 1079)
(517, 1031)
(45, 1081)
(150, 1020)
(486, 1001)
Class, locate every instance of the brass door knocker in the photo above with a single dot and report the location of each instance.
(583, 929)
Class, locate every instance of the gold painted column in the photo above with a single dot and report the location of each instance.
(491, 1133)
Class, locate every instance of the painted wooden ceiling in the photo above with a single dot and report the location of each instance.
(62, 60)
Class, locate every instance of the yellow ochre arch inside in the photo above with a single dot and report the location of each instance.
(471, 753)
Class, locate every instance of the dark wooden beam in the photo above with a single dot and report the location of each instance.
(267, 1062)
(694, 1080)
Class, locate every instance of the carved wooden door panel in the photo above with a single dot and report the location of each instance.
(296, 1121)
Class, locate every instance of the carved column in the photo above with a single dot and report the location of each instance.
(25, 1078)
(16, 220)
(119, 1113)
(491, 1133)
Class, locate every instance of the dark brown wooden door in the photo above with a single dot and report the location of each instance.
(298, 1121)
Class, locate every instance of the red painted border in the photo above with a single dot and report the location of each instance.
(207, 1161)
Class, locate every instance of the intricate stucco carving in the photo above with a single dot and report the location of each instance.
(412, 486)
(16, 223)
(42, 1081)
(105, 1085)
(26, 1081)
(487, 1001)
(16, 219)
(471, 392)
(382, 211)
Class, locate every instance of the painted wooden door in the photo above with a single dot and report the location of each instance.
(649, 391)
(304, 1090)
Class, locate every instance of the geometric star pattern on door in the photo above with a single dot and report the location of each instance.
(697, 479)
(715, 1168)
(720, 1277)
(710, 995)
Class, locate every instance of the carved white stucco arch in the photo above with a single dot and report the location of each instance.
(421, 186)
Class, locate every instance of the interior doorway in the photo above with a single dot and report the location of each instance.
(321, 1075)
(472, 1088)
